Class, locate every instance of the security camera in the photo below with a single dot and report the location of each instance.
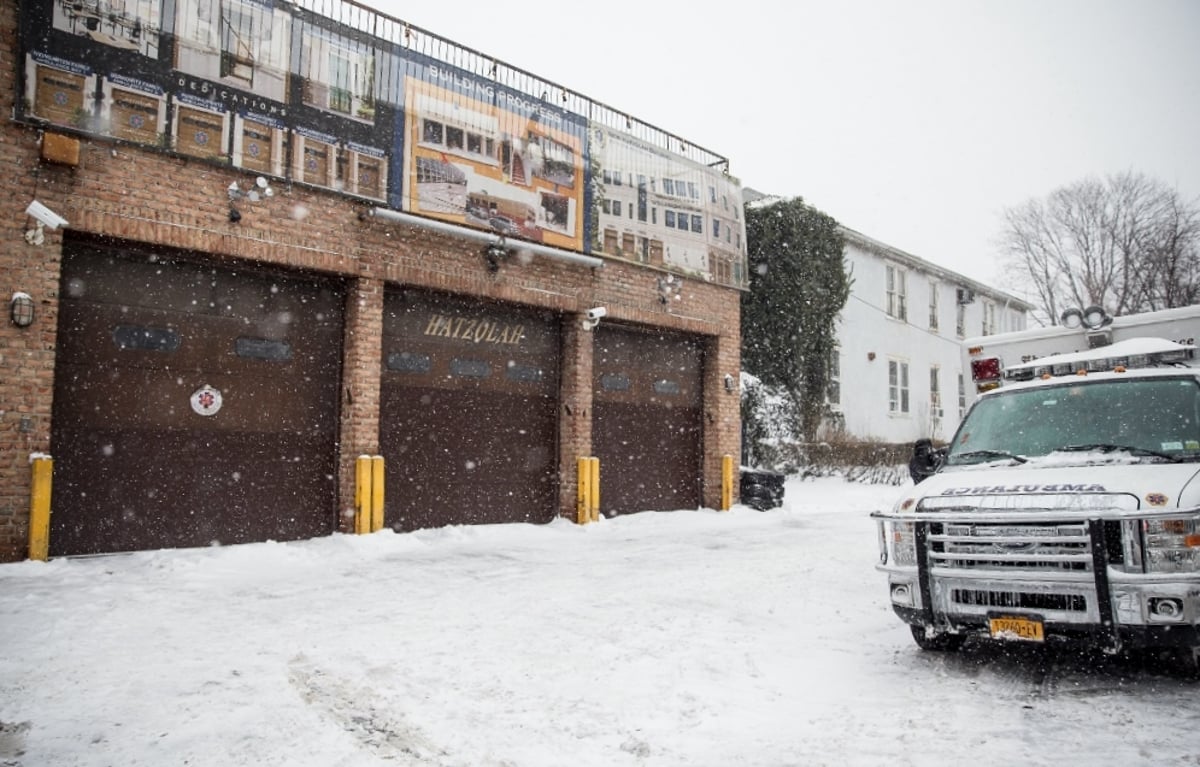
(592, 318)
(45, 215)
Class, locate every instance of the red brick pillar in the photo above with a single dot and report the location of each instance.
(26, 376)
(575, 410)
(361, 371)
(722, 409)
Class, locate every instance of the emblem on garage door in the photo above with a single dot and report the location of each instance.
(206, 400)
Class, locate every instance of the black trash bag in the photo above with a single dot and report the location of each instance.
(762, 490)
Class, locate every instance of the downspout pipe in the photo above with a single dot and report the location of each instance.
(490, 238)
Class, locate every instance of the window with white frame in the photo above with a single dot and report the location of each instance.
(897, 386)
(960, 320)
(339, 76)
(833, 392)
(989, 318)
(933, 306)
(935, 392)
(897, 299)
(962, 396)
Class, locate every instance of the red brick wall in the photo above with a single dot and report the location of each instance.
(362, 362)
(145, 197)
(26, 355)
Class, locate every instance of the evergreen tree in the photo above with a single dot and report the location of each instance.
(798, 284)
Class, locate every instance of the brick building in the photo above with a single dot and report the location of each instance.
(282, 253)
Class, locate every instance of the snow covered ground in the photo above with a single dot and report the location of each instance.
(686, 638)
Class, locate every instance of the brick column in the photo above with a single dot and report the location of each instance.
(575, 410)
(722, 409)
(26, 377)
(361, 370)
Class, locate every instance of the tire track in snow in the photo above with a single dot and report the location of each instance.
(357, 710)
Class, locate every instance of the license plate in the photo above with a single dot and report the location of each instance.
(1022, 629)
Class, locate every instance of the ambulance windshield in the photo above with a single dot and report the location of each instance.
(1153, 418)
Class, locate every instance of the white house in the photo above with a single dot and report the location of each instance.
(898, 371)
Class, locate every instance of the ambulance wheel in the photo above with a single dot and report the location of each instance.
(937, 641)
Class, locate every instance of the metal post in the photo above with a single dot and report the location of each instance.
(362, 495)
(594, 481)
(583, 494)
(39, 508)
(376, 493)
(726, 482)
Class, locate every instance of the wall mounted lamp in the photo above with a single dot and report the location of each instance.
(21, 309)
(261, 189)
(729, 383)
(494, 254)
(669, 288)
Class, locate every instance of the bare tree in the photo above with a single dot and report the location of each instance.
(1127, 243)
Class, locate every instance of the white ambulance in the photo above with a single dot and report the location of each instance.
(1067, 505)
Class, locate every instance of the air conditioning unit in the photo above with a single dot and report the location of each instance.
(965, 295)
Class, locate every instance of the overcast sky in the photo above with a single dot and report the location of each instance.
(915, 123)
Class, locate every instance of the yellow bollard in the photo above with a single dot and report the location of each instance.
(594, 482)
(726, 482)
(39, 508)
(583, 494)
(362, 495)
(376, 493)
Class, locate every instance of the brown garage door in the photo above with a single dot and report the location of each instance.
(646, 420)
(468, 412)
(192, 405)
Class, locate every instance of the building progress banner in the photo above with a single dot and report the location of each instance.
(339, 97)
(488, 157)
(660, 208)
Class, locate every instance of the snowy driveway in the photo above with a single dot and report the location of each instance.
(689, 638)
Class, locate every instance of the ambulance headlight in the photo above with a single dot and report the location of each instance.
(899, 542)
(1172, 545)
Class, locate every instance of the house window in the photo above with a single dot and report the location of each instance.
(616, 207)
(960, 320)
(237, 44)
(933, 307)
(669, 218)
(962, 396)
(697, 224)
(432, 132)
(989, 318)
(341, 72)
(897, 386)
(339, 76)
(897, 293)
(935, 393)
(610, 241)
(834, 392)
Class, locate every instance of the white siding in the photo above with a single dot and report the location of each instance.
(869, 338)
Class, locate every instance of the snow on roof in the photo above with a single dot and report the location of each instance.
(1130, 347)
